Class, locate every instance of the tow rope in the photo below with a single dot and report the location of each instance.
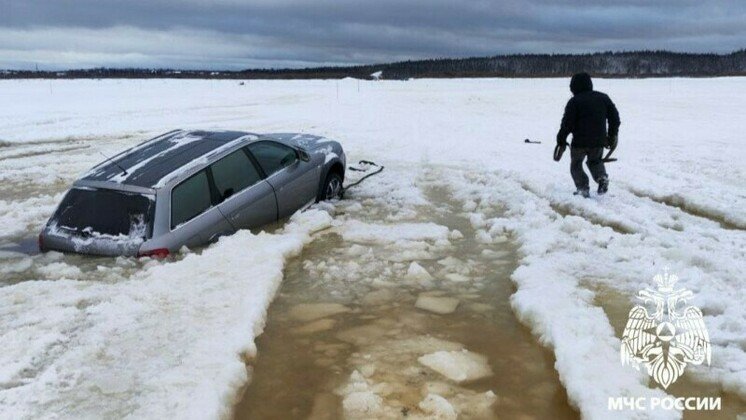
(608, 157)
(367, 165)
(559, 150)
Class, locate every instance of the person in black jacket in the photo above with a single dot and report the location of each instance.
(585, 117)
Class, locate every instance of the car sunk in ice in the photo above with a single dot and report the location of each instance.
(187, 188)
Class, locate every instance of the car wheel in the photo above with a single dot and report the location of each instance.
(332, 187)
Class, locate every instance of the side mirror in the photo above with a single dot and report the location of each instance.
(303, 155)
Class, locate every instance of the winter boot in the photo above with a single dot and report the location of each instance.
(584, 192)
(603, 185)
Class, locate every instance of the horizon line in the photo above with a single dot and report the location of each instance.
(353, 66)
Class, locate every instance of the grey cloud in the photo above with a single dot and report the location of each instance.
(298, 33)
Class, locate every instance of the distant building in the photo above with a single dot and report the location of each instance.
(377, 75)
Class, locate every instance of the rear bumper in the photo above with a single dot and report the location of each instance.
(91, 246)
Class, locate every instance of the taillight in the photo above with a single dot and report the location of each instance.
(159, 253)
(41, 242)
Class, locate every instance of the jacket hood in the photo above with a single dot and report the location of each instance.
(581, 82)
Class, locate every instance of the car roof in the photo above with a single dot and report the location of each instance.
(148, 163)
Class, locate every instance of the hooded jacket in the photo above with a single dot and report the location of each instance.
(586, 115)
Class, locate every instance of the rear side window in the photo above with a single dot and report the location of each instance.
(95, 212)
(190, 198)
(272, 156)
(233, 173)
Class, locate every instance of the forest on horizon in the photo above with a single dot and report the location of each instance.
(634, 64)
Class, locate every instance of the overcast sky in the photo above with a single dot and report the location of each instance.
(237, 34)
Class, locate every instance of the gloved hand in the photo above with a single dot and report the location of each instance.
(561, 142)
(611, 141)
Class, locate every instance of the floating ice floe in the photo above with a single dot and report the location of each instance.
(439, 305)
(457, 278)
(357, 231)
(459, 366)
(377, 297)
(438, 407)
(387, 381)
(456, 234)
(416, 272)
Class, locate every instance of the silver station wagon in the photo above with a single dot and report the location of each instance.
(187, 188)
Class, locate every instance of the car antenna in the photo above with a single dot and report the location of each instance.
(124, 171)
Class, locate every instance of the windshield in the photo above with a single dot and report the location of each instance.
(99, 212)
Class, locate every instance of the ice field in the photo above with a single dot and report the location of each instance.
(469, 232)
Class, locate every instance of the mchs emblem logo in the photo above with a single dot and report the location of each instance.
(663, 334)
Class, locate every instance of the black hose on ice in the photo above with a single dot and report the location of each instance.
(352, 168)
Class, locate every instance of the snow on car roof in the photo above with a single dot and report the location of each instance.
(149, 162)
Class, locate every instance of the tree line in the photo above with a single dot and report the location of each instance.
(603, 64)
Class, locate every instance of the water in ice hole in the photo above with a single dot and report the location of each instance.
(356, 332)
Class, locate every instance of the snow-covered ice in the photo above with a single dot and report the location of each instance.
(168, 342)
(677, 199)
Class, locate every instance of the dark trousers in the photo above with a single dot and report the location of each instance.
(595, 165)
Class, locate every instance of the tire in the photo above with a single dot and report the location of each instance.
(332, 187)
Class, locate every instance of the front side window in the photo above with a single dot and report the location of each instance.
(190, 198)
(233, 173)
(272, 156)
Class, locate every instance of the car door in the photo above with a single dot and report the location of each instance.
(195, 219)
(295, 182)
(246, 200)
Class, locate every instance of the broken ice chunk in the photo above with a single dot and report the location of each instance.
(483, 237)
(364, 402)
(450, 262)
(469, 205)
(417, 273)
(438, 407)
(488, 253)
(359, 398)
(456, 277)
(439, 305)
(312, 311)
(477, 220)
(60, 270)
(364, 334)
(459, 366)
(378, 297)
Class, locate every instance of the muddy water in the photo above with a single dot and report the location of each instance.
(323, 362)
(617, 307)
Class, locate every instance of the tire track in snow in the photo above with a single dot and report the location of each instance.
(689, 208)
(42, 151)
(565, 209)
(558, 253)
